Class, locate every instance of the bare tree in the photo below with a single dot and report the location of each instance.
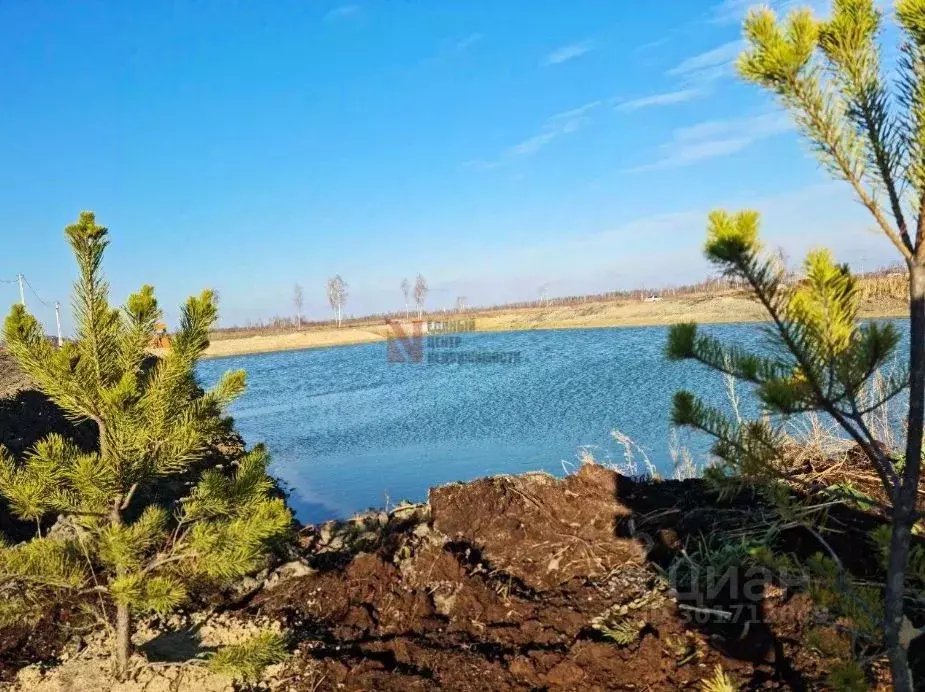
(337, 296)
(298, 300)
(420, 293)
(406, 292)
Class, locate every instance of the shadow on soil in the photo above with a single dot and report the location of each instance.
(177, 646)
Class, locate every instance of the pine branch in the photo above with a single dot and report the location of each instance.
(685, 342)
(97, 323)
(911, 16)
(781, 60)
(887, 473)
(140, 316)
(849, 42)
(248, 660)
(815, 326)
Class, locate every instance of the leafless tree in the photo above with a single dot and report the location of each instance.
(337, 296)
(298, 300)
(420, 293)
(406, 292)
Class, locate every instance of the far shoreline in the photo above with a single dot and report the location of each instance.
(730, 308)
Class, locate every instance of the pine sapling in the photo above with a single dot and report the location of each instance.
(154, 425)
(827, 75)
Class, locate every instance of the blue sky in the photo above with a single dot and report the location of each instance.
(492, 146)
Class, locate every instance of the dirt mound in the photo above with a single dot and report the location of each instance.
(532, 527)
(527, 583)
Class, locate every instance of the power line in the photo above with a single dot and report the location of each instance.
(36, 294)
(56, 306)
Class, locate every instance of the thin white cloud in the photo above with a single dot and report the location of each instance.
(569, 52)
(534, 143)
(667, 98)
(450, 48)
(694, 152)
(575, 114)
(555, 126)
(464, 43)
(642, 251)
(755, 127)
(651, 45)
(343, 12)
(730, 11)
(480, 165)
(715, 139)
(710, 65)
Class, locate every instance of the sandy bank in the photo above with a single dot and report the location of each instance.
(715, 309)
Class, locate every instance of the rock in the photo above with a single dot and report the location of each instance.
(289, 570)
(443, 604)
(325, 533)
(367, 537)
(245, 586)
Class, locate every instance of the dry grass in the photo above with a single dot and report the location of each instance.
(636, 462)
(893, 286)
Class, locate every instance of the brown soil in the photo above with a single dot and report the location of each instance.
(498, 584)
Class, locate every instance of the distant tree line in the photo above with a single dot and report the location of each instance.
(886, 281)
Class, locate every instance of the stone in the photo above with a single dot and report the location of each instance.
(290, 570)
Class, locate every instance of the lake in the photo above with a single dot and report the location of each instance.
(349, 430)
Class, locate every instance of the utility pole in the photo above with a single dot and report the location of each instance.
(22, 294)
(58, 321)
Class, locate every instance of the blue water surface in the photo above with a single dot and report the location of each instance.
(349, 430)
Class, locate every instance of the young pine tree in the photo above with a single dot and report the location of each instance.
(827, 74)
(154, 424)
